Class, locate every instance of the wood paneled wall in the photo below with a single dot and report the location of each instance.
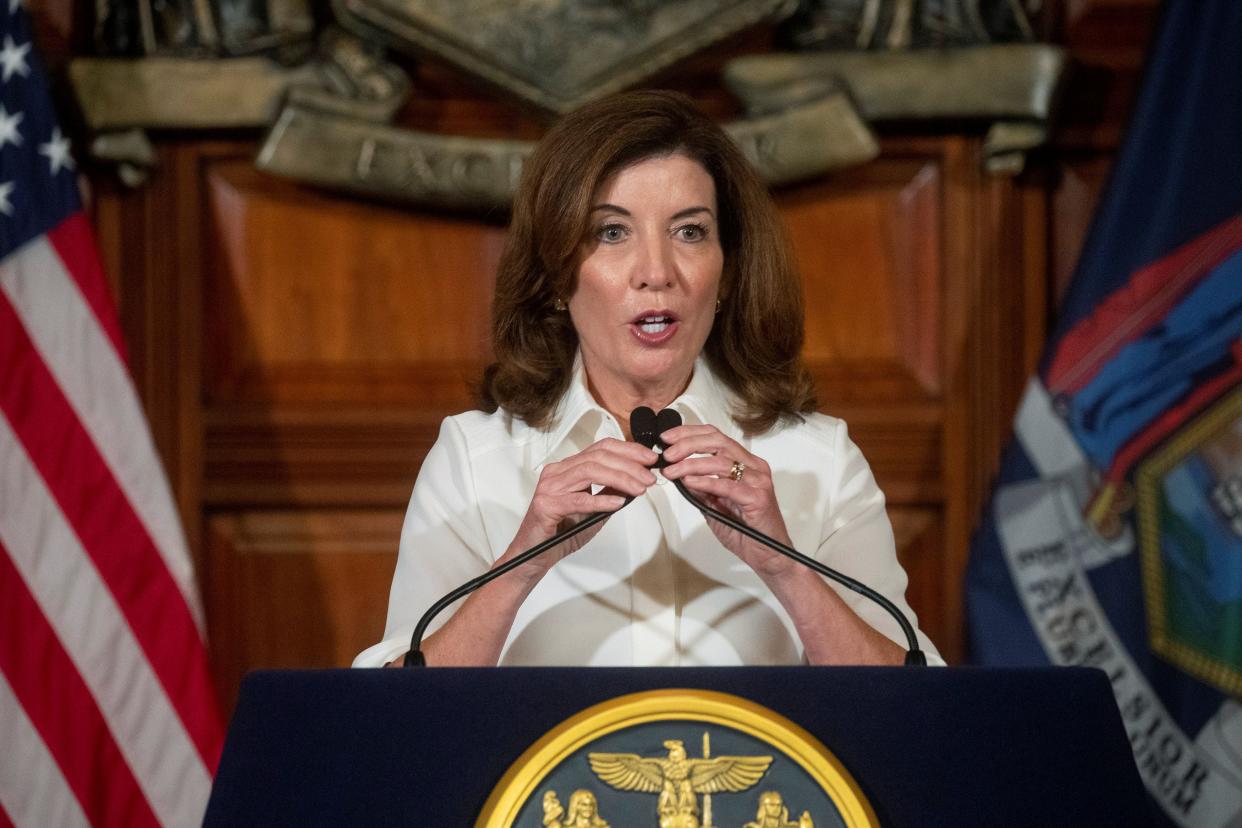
(296, 350)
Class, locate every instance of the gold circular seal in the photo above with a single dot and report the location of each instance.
(673, 778)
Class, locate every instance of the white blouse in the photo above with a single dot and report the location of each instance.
(654, 587)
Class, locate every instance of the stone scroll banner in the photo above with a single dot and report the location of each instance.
(1013, 86)
(478, 174)
(1006, 81)
(347, 75)
(178, 93)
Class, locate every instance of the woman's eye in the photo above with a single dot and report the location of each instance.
(611, 233)
(692, 232)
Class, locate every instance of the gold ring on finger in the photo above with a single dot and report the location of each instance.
(737, 471)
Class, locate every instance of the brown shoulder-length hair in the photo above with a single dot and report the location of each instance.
(755, 343)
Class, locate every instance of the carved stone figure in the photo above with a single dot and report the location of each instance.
(902, 24)
(204, 28)
(130, 28)
(557, 54)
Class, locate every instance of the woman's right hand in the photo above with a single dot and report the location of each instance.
(563, 497)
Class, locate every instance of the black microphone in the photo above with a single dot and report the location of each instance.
(415, 657)
(667, 419)
(645, 428)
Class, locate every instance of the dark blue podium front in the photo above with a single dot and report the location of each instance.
(929, 747)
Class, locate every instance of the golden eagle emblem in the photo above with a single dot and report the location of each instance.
(678, 779)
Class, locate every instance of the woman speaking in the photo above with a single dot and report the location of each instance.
(645, 266)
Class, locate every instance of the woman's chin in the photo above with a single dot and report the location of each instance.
(656, 368)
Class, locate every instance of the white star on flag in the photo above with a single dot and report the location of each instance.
(13, 58)
(57, 152)
(8, 127)
(6, 189)
(14, 5)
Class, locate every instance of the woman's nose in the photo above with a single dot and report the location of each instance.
(655, 267)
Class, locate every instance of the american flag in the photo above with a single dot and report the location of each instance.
(107, 715)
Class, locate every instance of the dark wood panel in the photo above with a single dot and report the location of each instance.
(305, 588)
(316, 298)
(904, 446)
(149, 244)
(919, 534)
(345, 456)
(873, 336)
(60, 29)
(1107, 41)
(995, 302)
(1080, 183)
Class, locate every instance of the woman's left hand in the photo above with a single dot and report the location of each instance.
(746, 494)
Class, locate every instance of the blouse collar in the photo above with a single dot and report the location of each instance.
(706, 400)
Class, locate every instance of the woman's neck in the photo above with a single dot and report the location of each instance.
(619, 399)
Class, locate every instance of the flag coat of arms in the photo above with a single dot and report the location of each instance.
(1114, 535)
(106, 708)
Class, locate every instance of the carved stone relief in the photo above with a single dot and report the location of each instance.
(330, 100)
(1012, 86)
(557, 54)
(908, 24)
(419, 168)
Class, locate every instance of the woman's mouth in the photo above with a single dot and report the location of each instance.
(654, 327)
(654, 324)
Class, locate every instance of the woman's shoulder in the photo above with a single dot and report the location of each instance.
(481, 432)
(815, 432)
(820, 445)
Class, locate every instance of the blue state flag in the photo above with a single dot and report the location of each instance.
(1114, 535)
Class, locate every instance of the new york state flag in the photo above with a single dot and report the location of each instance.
(1114, 534)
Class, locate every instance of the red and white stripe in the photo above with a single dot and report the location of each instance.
(34, 789)
(102, 654)
(85, 356)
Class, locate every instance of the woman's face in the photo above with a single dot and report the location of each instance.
(585, 806)
(647, 286)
